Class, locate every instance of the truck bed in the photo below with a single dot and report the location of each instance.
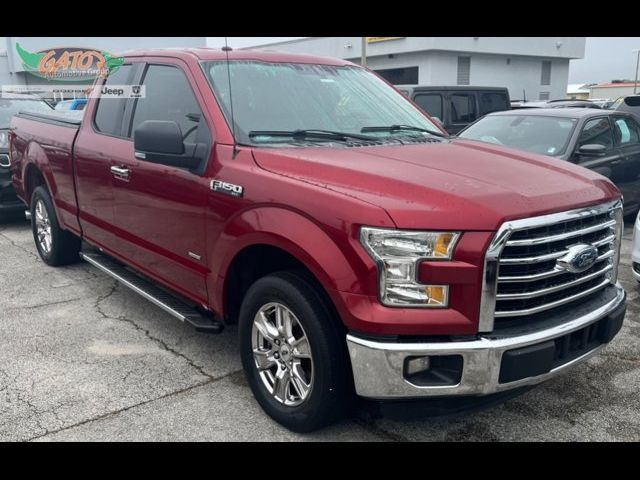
(47, 139)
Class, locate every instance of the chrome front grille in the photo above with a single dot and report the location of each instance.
(524, 271)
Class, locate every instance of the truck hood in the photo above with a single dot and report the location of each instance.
(457, 185)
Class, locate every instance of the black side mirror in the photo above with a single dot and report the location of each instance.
(592, 150)
(160, 141)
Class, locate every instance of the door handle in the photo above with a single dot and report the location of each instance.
(122, 173)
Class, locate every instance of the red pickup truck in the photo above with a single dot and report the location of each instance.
(361, 250)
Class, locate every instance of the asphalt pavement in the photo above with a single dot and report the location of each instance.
(83, 358)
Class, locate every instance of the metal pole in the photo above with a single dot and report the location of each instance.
(363, 57)
(635, 84)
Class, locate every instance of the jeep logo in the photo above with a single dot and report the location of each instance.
(580, 257)
(227, 188)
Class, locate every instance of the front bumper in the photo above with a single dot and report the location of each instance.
(489, 362)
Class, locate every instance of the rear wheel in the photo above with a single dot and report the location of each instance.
(293, 353)
(56, 246)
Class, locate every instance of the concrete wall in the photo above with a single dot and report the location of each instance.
(441, 68)
(350, 47)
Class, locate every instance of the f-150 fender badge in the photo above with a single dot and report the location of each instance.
(227, 188)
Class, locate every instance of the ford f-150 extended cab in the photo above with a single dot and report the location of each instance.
(360, 250)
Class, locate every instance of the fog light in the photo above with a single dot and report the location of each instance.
(416, 365)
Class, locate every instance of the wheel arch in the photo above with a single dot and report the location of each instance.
(280, 239)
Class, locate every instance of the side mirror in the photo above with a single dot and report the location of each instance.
(592, 150)
(161, 142)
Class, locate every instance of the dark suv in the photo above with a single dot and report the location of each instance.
(456, 107)
(10, 104)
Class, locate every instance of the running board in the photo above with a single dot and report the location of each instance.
(167, 302)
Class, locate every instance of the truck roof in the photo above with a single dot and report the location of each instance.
(219, 54)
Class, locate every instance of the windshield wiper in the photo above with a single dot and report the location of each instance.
(396, 128)
(312, 133)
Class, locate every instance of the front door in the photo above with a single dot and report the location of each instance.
(609, 162)
(159, 211)
(626, 133)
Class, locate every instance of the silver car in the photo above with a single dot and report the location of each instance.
(635, 253)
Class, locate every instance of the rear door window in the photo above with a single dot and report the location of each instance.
(625, 131)
(430, 103)
(110, 111)
(463, 108)
(493, 102)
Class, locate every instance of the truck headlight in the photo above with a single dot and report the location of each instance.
(397, 254)
(4, 139)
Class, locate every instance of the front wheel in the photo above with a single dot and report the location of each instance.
(293, 353)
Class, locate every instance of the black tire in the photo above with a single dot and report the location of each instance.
(332, 395)
(64, 245)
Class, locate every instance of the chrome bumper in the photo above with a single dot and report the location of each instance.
(378, 366)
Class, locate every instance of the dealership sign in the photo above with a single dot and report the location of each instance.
(69, 63)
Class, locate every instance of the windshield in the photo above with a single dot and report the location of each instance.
(536, 134)
(296, 96)
(10, 106)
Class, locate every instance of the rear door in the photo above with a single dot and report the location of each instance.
(99, 146)
(462, 110)
(492, 102)
(626, 134)
(432, 103)
(159, 210)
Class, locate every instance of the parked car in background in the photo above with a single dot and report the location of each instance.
(456, 107)
(629, 104)
(554, 104)
(71, 105)
(601, 102)
(601, 140)
(10, 104)
(635, 252)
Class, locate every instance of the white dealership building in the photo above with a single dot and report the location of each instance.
(535, 67)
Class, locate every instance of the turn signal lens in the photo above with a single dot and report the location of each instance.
(437, 294)
(443, 244)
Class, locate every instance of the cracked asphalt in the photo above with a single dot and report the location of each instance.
(82, 358)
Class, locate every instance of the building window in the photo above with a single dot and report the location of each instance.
(544, 95)
(545, 78)
(400, 76)
(464, 70)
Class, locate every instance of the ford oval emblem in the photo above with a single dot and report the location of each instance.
(580, 257)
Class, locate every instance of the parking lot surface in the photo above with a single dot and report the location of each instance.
(82, 358)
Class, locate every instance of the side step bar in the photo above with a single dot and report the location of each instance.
(154, 294)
